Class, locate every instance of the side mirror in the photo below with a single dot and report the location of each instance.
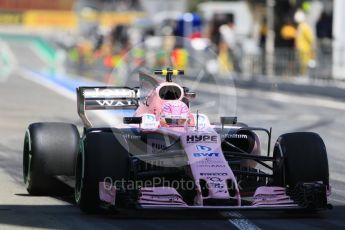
(132, 120)
(190, 95)
(228, 121)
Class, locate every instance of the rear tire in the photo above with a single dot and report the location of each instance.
(49, 150)
(299, 158)
(101, 156)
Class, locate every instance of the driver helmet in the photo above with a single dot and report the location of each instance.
(174, 113)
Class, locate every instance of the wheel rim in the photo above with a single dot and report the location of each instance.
(278, 166)
(27, 156)
(78, 178)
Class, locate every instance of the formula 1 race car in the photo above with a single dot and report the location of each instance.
(166, 157)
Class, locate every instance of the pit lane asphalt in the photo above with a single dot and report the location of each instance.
(23, 102)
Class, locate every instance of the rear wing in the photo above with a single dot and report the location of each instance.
(105, 98)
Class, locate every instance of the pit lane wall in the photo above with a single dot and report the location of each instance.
(62, 19)
(39, 19)
(33, 13)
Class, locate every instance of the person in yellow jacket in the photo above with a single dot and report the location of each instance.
(288, 33)
(305, 42)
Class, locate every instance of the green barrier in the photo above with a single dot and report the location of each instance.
(43, 47)
(7, 61)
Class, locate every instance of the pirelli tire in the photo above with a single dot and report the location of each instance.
(50, 150)
(300, 157)
(102, 157)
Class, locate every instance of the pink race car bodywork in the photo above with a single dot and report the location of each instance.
(202, 146)
(161, 155)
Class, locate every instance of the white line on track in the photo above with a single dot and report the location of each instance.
(240, 222)
(338, 192)
(230, 90)
(337, 176)
(336, 200)
(8, 66)
(28, 75)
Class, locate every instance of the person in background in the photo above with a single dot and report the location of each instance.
(262, 42)
(305, 43)
(288, 34)
(324, 32)
(213, 33)
(228, 38)
(263, 32)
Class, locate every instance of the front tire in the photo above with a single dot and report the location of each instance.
(101, 156)
(300, 158)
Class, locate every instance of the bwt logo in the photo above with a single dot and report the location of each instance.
(198, 138)
(150, 118)
(203, 148)
(206, 154)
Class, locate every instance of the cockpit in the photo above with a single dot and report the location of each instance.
(166, 100)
